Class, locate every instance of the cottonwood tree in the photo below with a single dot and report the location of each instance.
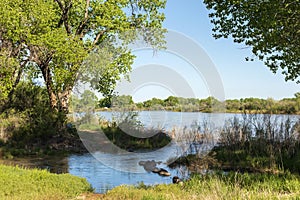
(51, 40)
(270, 27)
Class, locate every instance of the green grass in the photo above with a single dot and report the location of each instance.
(19, 183)
(217, 186)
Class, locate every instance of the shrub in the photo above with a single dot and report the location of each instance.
(29, 121)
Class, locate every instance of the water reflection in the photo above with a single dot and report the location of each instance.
(53, 164)
(129, 161)
(104, 178)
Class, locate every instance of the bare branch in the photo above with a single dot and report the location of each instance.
(87, 9)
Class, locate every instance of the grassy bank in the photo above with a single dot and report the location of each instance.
(19, 183)
(217, 186)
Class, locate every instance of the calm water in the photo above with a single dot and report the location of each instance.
(107, 170)
(168, 120)
(104, 177)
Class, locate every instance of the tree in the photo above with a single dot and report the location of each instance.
(88, 100)
(233, 105)
(270, 28)
(51, 39)
(171, 101)
(122, 101)
(104, 103)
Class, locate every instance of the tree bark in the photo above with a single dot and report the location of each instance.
(64, 98)
(48, 81)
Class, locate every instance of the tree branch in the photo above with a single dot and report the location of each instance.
(132, 8)
(60, 4)
(87, 9)
(83, 22)
(65, 14)
(98, 36)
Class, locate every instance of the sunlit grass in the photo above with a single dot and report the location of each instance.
(23, 184)
(217, 186)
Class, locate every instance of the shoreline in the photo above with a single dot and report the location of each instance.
(216, 112)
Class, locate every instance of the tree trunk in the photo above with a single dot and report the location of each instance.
(64, 98)
(48, 81)
(59, 101)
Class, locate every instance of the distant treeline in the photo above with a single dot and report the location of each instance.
(210, 104)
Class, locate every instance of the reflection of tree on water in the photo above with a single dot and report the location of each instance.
(54, 164)
(151, 166)
(148, 165)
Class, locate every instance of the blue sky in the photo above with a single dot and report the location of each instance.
(240, 78)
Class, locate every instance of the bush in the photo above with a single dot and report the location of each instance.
(29, 122)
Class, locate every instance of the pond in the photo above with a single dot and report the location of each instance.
(103, 177)
(106, 170)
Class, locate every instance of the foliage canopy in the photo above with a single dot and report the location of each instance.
(271, 28)
(51, 40)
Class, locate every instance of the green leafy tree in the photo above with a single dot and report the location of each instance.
(254, 104)
(153, 103)
(52, 39)
(171, 101)
(297, 99)
(147, 103)
(270, 28)
(74, 104)
(122, 101)
(156, 101)
(104, 103)
(88, 100)
(233, 105)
